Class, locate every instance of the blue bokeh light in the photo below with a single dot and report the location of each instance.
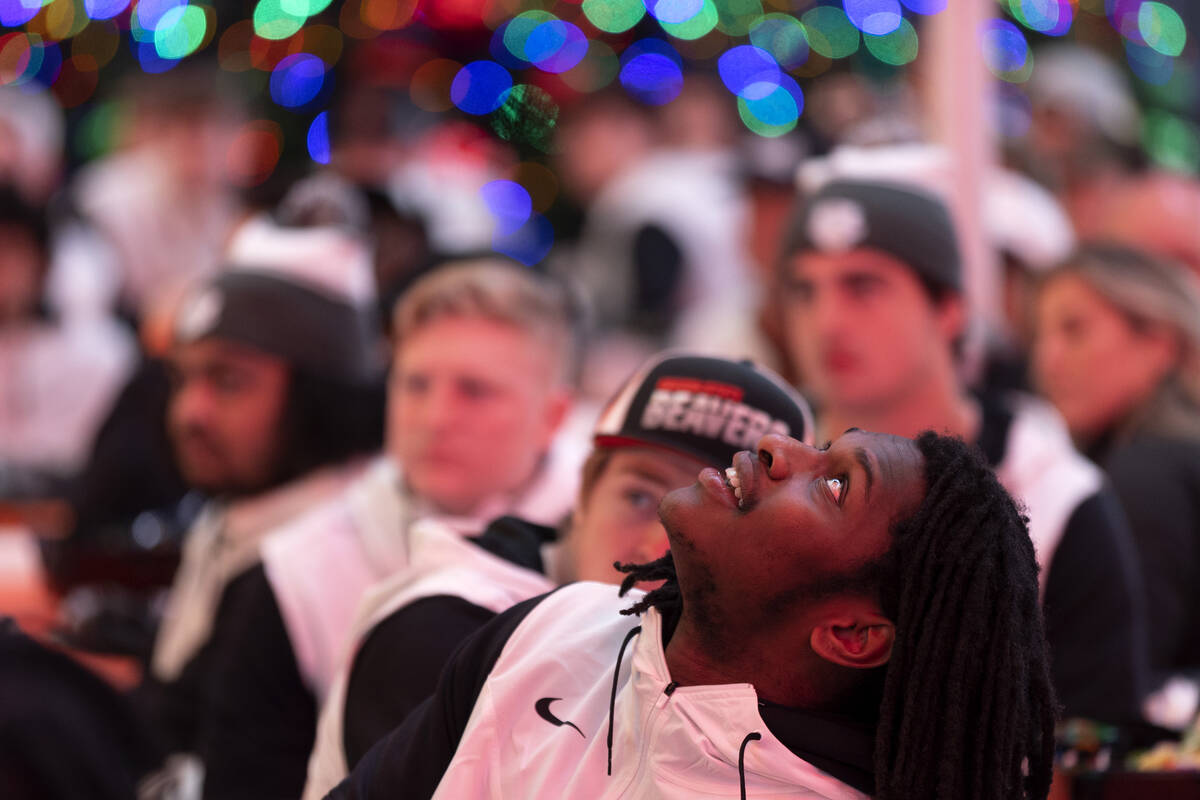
(1014, 111)
(1004, 47)
(498, 49)
(1123, 15)
(318, 138)
(509, 203)
(14, 13)
(749, 71)
(556, 46)
(481, 87)
(297, 80)
(674, 12)
(149, 59)
(651, 71)
(926, 7)
(782, 106)
(104, 9)
(1148, 64)
(529, 243)
(876, 17)
(51, 65)
(150, 12)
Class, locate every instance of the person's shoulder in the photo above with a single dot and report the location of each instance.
(1156, 475)
(575, 616)
(492, 571)
(1037, 436)
(317, 528)
(1159, 453)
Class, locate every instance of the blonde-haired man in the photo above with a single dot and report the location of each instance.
(480, 384)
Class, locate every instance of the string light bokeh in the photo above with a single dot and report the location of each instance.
(508, 65)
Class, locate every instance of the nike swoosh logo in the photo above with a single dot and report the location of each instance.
(542, 707)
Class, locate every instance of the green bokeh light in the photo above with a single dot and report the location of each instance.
(1172, 141)
(180, 31)
(271, 21)
(699, 25)
(614, 16)
(756, 125)
(97, 132)
(896, 48)
(519, 28)
(1161, 27)
(303, 8)
(528, 117)
(783, 37)
(830, 33)
(735, 17)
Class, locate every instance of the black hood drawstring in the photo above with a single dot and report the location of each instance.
(612, 701)
(750, 737)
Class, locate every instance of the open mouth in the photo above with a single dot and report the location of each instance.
(735, 483)
(740, 478)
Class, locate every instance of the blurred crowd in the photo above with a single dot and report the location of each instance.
(251, 433)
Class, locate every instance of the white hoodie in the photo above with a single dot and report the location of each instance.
(321, 565)
(541, 726)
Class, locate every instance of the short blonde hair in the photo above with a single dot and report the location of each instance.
(499, 291)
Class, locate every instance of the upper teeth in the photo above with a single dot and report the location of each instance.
(732, 476)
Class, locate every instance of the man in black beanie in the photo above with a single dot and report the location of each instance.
(276, 392)
(875, 313)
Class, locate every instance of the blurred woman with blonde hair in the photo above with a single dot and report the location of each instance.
(1117, 349)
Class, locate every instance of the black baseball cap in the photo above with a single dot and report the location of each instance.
(703, 407)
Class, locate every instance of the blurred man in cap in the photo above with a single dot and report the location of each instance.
(676, 415)
(875, 315)
(276, 391)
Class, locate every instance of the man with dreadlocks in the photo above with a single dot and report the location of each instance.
(860, 620)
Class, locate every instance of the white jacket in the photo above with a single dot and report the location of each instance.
(222, 543)
(1042, 470)
(444, 563)
(321, 565)
(685, 743)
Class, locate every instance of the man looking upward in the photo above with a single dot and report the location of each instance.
(855, 621)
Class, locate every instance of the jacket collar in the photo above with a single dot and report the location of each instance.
(704, 738)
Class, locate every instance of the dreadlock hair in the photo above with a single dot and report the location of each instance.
(967, 709)
(666, 598)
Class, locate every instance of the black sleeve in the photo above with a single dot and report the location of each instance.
(1164, 512)
(410, 761)
(1095, 616)
(176, 710)
(262, 719)
(399, 664)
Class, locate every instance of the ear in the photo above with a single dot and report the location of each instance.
(951, 314)
(861, 641)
